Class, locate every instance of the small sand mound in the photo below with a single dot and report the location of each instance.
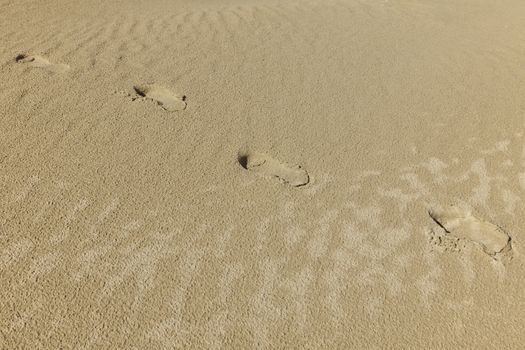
(41, 62)
(163, 96)
(293, 175)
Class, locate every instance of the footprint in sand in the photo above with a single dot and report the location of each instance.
(41, 62)
(163, 96)
(462, 224)
(293, 175)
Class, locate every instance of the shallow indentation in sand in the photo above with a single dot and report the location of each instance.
(521, 178)
(163, 96)
(293, 175)
(41, 62)
(463, 225)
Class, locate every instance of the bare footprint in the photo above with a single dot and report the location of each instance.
(462, 224)
(293, 175)
(163, 96)
(41, 62)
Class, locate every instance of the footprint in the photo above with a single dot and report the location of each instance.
(293, 175)
(164, 97)
(521, 179)
(41, 62)
(462, 224)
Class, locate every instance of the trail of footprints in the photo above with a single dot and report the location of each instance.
(161, 95)
(454, 224)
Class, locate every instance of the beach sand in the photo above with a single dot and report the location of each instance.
(317, 174)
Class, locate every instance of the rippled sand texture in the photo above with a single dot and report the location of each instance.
(262, 174)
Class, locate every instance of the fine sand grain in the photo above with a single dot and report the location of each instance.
(305, 174)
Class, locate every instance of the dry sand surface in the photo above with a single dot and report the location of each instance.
(262, 174)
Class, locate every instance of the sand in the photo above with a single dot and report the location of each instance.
(313, 174)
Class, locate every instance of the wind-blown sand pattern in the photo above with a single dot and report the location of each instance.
(124, 226)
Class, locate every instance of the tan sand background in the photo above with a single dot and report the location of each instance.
(123, 225)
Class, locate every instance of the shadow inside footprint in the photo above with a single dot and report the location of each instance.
(293, 175)
(41, 62)
(462, 224)
(163, 96)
